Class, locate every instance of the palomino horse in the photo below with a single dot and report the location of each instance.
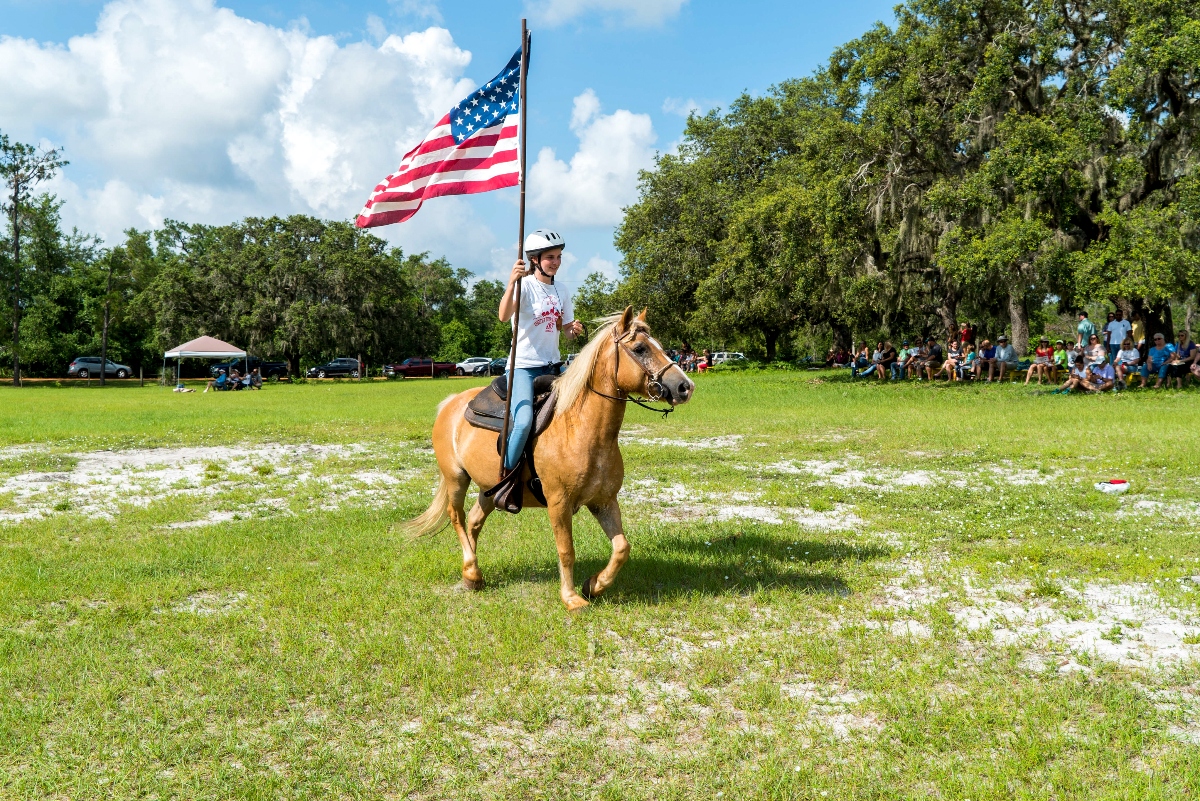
(577, 456)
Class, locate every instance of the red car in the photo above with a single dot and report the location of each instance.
(419, 368)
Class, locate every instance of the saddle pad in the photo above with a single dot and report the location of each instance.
(486, 410)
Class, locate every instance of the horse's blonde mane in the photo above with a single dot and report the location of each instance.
(573, 385)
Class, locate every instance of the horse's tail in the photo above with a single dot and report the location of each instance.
(433, 518)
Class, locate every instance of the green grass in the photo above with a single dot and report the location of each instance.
(300, 652)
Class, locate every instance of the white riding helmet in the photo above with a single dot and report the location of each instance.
(542, 240)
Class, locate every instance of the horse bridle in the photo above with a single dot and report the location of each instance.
(653, 374)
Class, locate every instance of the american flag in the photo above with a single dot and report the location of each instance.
(471, 149)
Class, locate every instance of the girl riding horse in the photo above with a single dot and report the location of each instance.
(578, 457)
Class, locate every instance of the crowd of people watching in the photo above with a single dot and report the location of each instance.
(687, 359)
(235, 381)
(1098, 360)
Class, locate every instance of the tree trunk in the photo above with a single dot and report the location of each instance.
(104, 331)
(16, 331)
(841, 336)
(948, 312)
(1157, 318)
(293, 361)
(772, 337)
(1018, 316)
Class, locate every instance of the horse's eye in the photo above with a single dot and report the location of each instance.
(639, 348)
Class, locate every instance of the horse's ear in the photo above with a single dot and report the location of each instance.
(626, 320)
(642, 317)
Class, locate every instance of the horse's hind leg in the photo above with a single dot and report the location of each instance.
(472, 578)
(609, 517)
(459, 484)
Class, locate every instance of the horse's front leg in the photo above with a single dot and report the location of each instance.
(609, 517)
(560, 520)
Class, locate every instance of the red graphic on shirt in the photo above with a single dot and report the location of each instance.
(547, 315)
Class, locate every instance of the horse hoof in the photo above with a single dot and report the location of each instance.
(469, 585)
(588, 590)
(576, 604)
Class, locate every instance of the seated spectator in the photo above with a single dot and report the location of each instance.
(953, 360)
(1094, 350)
(707, 363)
(255, 379)
(888, 361)
(1006, 357)
(933, 358)
(986, 358)
(876, 362)
(1074, 354)
(1059, 362)
(917, 363)
(1041, 362)
(966, 363)
(900, 365)
(1076, 379)
(1185, 356)
(219, 383)
(1157, 360)
(1100, 376)
(862, 360)
(1128, 358)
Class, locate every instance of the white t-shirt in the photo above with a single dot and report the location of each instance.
(1117, 331)
(543, 308)
(1128, 356)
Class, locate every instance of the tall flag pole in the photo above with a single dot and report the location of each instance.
(512, 351)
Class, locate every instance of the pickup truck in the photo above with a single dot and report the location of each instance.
(265, 369)
(419, 368)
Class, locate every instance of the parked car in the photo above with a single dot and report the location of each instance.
(419, 368)
(472, 365)
(342, 366)
(265, 369)
(89, 367)
(497, 366)
(722, 356)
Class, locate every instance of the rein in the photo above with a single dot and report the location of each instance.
(654, 384)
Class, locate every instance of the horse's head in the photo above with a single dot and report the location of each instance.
(643, 366)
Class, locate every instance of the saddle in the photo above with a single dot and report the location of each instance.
(486, 411)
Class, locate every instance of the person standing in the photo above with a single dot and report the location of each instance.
(545, 313)
(967, 335)
(1085, 328)
(1137, 330)
(1115, 332)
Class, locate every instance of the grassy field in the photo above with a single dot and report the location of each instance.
(836, 591)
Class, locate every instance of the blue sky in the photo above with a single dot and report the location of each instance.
(209, 111)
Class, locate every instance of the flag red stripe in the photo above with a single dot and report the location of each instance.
(414, 176)
(446, 144)
(389, 216)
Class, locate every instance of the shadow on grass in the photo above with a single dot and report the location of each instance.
(663, 568)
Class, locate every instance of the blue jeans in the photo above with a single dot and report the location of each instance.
(897, 371)
(520, 384)
(1146, 370)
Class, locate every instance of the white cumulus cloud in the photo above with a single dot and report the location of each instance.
(629, 12)
(601, 177)
(181, 108)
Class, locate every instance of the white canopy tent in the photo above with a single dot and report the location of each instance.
(203, 348)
